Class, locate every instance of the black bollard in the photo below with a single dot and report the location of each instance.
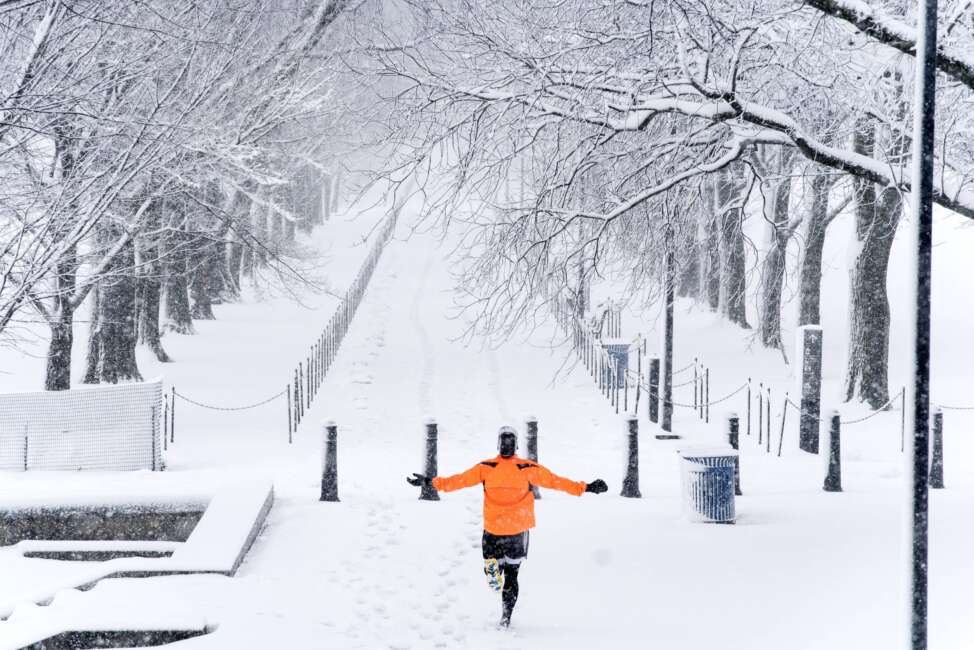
(428, 492)
(937, 452)
(833, 480)
(329, 472)
(706, 395)
(733, 439)
(748, 406)
(760, 413)
(653, 390)
(532, 426)
(630, 485)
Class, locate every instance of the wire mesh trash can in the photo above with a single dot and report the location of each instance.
(708, 484)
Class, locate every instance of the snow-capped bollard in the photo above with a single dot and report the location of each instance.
(428, 492)
(630, 485)
(833, 480)
(329, 472)
(532, 442)
(733, 439)
(937, 451)
(653, 390)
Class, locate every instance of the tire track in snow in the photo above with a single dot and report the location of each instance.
(425, 397)
(496, 391)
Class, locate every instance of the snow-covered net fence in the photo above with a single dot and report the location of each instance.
(98, 428)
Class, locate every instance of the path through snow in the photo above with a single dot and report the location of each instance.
(802, 569)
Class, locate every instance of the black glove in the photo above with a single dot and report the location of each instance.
(420, 479)
(597, 486)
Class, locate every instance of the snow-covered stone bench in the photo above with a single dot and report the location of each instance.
(229, 525)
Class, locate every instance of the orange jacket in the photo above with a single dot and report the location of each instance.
(508, 500)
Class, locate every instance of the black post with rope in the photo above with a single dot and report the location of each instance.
(937, 451)
(833, 479)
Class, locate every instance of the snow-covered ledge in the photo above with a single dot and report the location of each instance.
(218, 544)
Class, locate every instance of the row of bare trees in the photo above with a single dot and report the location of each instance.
(587, 138)
(153, 156)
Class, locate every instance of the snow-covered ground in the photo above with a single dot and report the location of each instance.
(801, 569)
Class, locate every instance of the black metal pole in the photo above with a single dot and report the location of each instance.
(833, 480)
(669, 279)
(937, 451)
(706, 394)
(733, 439)
(630, 485)
(532, 440)
(329, 472)
(428, 492)
(784, 414)
(924, 106)
(165, 420)
(748, 406)
(615, 385)
(760, 413)
(297, 401)
(653, 390)
(290, 428)
(172, 418)
(301, 387)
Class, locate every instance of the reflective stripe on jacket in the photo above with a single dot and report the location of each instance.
(508, 500)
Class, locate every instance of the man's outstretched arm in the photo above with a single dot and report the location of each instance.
(471, 477)
(543, 477)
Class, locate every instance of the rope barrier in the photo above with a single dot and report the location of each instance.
(718, 401)
(870, 416)
(686, 383)
(955, 408)
(230, 408)
(874, 413)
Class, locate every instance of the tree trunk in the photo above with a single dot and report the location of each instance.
(149, 259)
(117, 334)
(810, 285)
(149, 330)
(201, 281)
(732, 290)
(288, 231)
(688, 284)
(94, 333)
(776, 210)
(336, 189)
(234, 267)
(712, 259)
(178, 314)
(57, 375)
(259, 233)
(876, 221)
(326, 197)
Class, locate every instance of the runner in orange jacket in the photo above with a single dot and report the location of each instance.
(508, 509)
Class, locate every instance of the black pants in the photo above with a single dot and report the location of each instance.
(509, 551)
(506, 549)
